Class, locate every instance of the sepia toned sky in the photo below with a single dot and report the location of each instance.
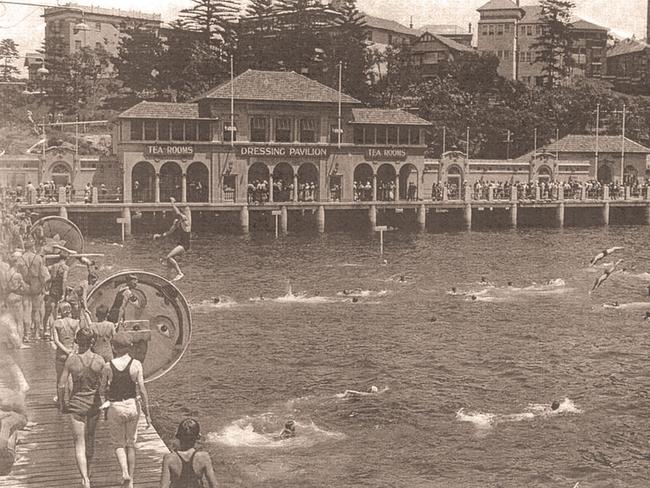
(624, 17)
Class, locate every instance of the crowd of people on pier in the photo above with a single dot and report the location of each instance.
(538, 190)
(48, 192)
(258, 191)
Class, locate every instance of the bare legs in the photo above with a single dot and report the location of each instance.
(126, 459)
(83, 442)
(172, 264)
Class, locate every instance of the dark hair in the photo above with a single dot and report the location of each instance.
(85, 337)
(101, 312)
(188, 431)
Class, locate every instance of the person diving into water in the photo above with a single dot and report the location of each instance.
(182, 227)
(289, 430)
(603, 254)
(608, 272)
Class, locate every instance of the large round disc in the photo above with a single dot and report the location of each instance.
(54, 230)
(157, 318)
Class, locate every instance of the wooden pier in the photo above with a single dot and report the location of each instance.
(45, 452)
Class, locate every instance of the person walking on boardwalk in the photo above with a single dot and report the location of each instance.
(85, 368)
(187, 467)
(103, 330)
(122, 381)
(57, 286)
(182, 227)
(35, 274)
(64, 331)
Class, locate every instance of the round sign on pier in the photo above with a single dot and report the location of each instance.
(152, 311)
(50, 232)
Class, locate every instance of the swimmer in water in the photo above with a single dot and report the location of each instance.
(216, 300)
(510, 284)
(402, 279)
(647, 316)
(453, 290)
(289, 430)
(484, 281)
(473, 297)
(434, 319)
(355, 300)
(603, 254)
(555, 405)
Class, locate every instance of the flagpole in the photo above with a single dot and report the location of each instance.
(444, 139)
(340, 99)
(44, 139)
(623, 144)
(597, 140)
(232, 101)
(557, 145)
(467, 141)
(535, 141)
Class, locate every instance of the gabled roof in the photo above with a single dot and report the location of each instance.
(450, 43)
(443, 29)
(498, 5)
(582, 24)
(389, 25)
(587, 144)
(380, 116)
(627, 46)
(277, 86)
(161, 110)
(532, 14)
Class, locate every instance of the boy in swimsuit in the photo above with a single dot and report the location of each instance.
(182, 227)
(123, 297)
(187, 467)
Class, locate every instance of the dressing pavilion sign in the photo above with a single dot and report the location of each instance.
(283, 151)
(174, 151)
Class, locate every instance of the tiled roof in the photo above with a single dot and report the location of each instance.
(532, 14)
(582, 24)
(277, 86)
(587, 144)
(389, 25)
(379, 116)
(161, 110)
(627, 46)
(498, 5)
(450, 43)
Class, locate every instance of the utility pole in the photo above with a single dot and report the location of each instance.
(597, 140)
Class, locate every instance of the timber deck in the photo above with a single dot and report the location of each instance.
(45, 452)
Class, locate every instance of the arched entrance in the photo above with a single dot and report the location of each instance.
(630, 176)
(171, 180)
(308, 183)
(605, 174)
(454, 182)
(143, 180)
(61, 174)
(363, 183)
(544, 174)
(282, 183)
(258, 183)
(198, 182)
(408, 183)
(386, 183)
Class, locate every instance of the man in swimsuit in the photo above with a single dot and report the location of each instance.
(123, 297)
(608, 272)
(64, 331)
(58, 279)
(85, 369)
(187, 467)
(182, 226)
(603, 254)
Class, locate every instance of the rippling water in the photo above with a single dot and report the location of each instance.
(469, 382)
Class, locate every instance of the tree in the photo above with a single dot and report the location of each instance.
(257, 37)
(139, 62)
(554, 45)
(304, 28)
(8, 54)
(215, 19)
(349, 48)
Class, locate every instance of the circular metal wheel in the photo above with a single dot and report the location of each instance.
(53, 230)
(157, 318)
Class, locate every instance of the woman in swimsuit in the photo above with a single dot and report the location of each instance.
(187, 467)
(83, 401)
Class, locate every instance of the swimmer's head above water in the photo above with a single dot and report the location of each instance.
(216, 299)
(555, 405)
(473, 297)
(453, 289)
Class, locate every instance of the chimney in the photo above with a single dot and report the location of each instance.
(411, 24)
(469, 26)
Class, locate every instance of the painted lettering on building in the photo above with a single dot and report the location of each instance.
(283, 151)
(179, 151)
(386, 154)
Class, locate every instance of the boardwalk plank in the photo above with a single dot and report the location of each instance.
(45, 451)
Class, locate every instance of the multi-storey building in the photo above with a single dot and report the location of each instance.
(453, 32)
(104, 26)
(429, 51)
(511, 33)
(628, 65)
